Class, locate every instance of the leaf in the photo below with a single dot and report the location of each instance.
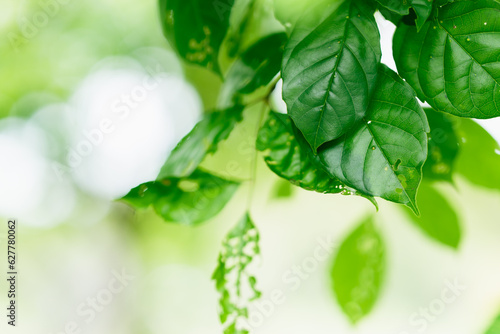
(453, 63)
(437, 218)
(330, 69)
(383, 155)
(202, 140)
(288, 155)
(358, 271)
(256, 68)
(196, 28)
(479, 157)
(442, 149)
(188, 200)
(495, 327)
(422, 9)
(231, 276)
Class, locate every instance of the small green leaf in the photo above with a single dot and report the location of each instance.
(202, 140)
(383, 156)
(495, 327)
(358, 271)
(443, 147)
(437, 218)
(422, 9)
(256, 68)
(189, 200)
(236, 286)
(196, 28)
(330, 69)
(479, 157)
(453, 63)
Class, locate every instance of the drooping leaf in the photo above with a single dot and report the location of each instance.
(437, 218)
(196, 28)
(479, 157)
(495, 326)
(453, 63)
(236, 286)
(383, 155)
(189, 200)
(422, 9)
(330, 69)
(443, 147)
(289, 156)
(256, 68)
(358, 271)
(202, 140)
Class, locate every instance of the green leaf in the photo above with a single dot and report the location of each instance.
(330, 69)
(437, 218)
(358, 271)
(453, 63)
(196, 28)
(289, 156)
(188, 200)
(383, 155)
(202, 140)
(422, 9)
(256, 68)
(479, 157)
(443, 147)
(236, 286)
(495, 327)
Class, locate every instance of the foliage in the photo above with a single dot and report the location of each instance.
(353, 126)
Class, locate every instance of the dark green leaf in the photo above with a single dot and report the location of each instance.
(358, 271)
(453, 63)
(256, 68)
(422, 9)
(196, 28)
(437, 218)
(188, 200)
(231, 276)
(442, 149)
(330, 69)
(383, 156)
(202, 140)
(495, 327)
(479, 157)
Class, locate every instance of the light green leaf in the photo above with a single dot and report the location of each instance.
(443, 147)
(236, 286)
(453, 63)
(495, 327)
(383, 156)
(196, 28)
(479, 157)
(202, 140)
(256, 68)
(188, 200)
(358, 271)
(330, 69)
(437, 218)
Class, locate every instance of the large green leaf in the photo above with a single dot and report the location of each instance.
(231, 276)
(188, 200)
(202, 140)
(443, 147)
(330, 69)
(453, 63)
(479, 157)
(196, 28)
(437, 218)
(358, 270)
(422, 9)
(495, 327)
(383, 155)
(256, 68)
